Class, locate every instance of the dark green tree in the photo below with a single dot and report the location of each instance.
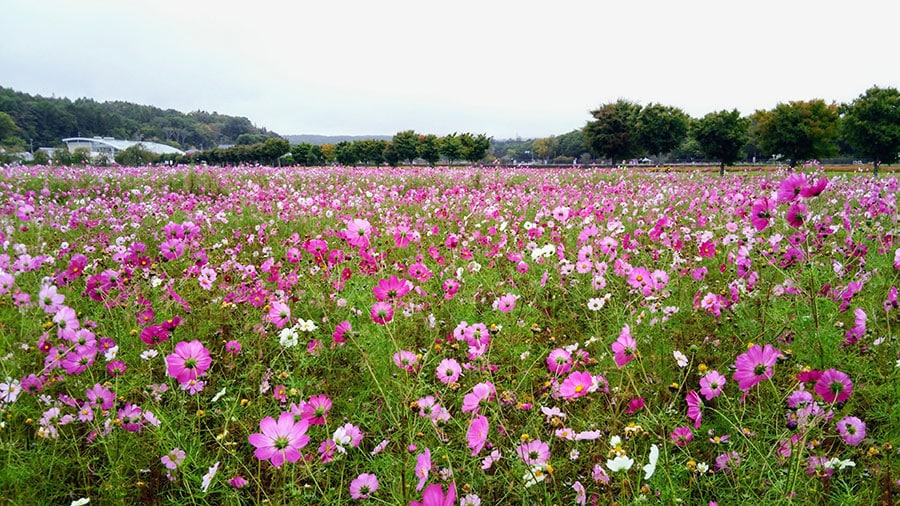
(613, 133)
(390, 155)
(346, 153)
(721, 135)
(371, 151)
(871, 124)
(660, 128)
(450, 147)
(799, 131)
(474, 147)
(135, 156)
(428, 149)
(9, 130)
(273, 149)
(405, 144)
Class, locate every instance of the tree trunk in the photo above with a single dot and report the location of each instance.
(876, 163)
(722, 168)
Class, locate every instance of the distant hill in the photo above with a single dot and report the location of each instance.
(318, 140)
(46, 121)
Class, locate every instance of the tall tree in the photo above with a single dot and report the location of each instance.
(450, 147)
(871, 124)
(428, 149)
(405, 144)
(660, 128)
(474, 147)
(346, 153)
(721, 135)
(613, 133)
(546, 147)
(8, 129)
(799, 130)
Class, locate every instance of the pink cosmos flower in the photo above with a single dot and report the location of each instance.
(559, 361)
(477, 434)
(754, 366)
(391, 288)
(233, 347)
(480, 392)
(434, 496)
(381, 313)
(49, 300)
(694, 408)
(506, 303)
(363, 486)
(423, 466)
(238, 482)
(406, 360)
(681, 436)
(280, 441)
(852, 430)
(534, 452)
(358, 233)
(279, 314)
(711, 385)
(448, 371)
(625, 347)
(316, 410)
(812, 190)
(173, 459)
(834, 386)
(189, 361)
(576, 385)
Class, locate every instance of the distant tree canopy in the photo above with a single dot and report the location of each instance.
(46, 121)
(871, 124)
(613, 133)
(799, 130)
(721, 135)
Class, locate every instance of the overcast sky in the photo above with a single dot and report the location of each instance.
(503, 68)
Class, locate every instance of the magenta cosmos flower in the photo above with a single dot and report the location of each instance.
(754, 366)
(434, 496)
(189, 361)
(681, 436)
(796, 214)
(761, 212)
(391, 288)
(381, 313)
(576, 385)
(280, 441)
(363, 486)
(625, 347)
(834, 386)
(694, 408)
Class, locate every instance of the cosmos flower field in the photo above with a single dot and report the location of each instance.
(200, 335)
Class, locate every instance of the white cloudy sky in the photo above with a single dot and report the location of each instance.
(504, 68)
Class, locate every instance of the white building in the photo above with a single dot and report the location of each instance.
(108, 146)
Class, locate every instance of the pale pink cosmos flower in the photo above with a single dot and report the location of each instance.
(173, 459)
(280, 441)
(448, 371)
(506, 303)
(534, 452)
(852, 430)
(694, 405)
(363, 486)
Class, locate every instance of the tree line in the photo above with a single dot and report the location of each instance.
(868, 128)
(28, 122)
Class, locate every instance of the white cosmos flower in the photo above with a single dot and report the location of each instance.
(650, 466)
(620, 463)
